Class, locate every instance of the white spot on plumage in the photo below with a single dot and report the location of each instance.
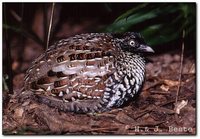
(73, 99)
(88, 44)
(98, 58)
(97, 80)
(49, 88)
(89, 96)
(118, 93)
(72, 70)
(39, 90)
(26, 78)
(106, 96)
(108, 89)
(116, 76)
(67, 91)
(59, 68)
(76, 84)
(61, 78)
(94, 73)
(102, 68)
(60, 87)
(88, 86)
(91, 67)
(132, 81)
(137, 87)
(105, 57)
(65, 100)
(94, 40)
(89, 74)
(121, 86)
(53, 94)
(60, 94)
(105, 100)
(120, 73)
(83, 60)
(113, 100)
(79, 94)
(30, 70)
(129, 75)
(102, 73)
(106, 93)
(41, 62)
(126, 81)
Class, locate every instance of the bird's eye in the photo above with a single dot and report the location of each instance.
(132, 43)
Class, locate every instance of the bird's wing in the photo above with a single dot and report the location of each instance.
(74, 68)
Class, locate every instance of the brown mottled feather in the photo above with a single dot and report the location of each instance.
(56, 71)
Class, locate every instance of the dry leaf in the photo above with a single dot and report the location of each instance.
(164, 88)
(192, 69)
(123, 118)
(171, 83)
(19, 112)
(180, 105)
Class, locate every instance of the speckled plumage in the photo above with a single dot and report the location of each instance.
(89, 72)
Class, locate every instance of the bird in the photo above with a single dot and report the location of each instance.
(89, 73)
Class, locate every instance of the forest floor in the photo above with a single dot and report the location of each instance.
(154, 111)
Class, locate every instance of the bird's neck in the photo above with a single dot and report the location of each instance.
(132, 60)
(131, 63)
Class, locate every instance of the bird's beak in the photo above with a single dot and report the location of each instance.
(145, 48)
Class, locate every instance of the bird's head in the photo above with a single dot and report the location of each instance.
(132, 42)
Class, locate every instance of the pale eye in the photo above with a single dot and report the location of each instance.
(132, 43)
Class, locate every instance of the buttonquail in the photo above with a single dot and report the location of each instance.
(89, 72)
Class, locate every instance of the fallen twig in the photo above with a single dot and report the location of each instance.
(181, 68)
(50, 25)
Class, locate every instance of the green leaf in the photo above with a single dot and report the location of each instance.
(151, 21)
(129, 12)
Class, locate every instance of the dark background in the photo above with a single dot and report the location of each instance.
(173, 18)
